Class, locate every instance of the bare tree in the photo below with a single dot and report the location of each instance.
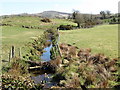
(75, 12)
(103, 14)
(108, 13)
(78, 17)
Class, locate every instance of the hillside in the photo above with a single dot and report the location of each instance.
(48, 14)
(54, 14)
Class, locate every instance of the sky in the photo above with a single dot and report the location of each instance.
(8, 7)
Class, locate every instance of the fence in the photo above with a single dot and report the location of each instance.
(12, 53)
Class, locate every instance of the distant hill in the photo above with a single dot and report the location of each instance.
(48, 14)
(53, 14)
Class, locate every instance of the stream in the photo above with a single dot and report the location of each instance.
(46, 55)
(44, 78)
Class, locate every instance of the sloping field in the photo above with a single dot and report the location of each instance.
(101, 39)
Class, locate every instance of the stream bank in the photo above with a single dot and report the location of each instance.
(44, 74)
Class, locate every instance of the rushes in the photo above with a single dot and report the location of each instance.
(89, 70)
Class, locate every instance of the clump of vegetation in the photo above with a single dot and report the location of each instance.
(18, 66)
(20, 82)
(91, 22)
(115, 21)
(65, 27)
(13, 82)
(38, 45)
(17, 77)
(46, 20)
(84, 20)
(5, 24)
(87, 70)
(30, 27)
(51, 34)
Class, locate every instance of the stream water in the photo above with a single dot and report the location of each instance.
(46, 55)
(44, 78)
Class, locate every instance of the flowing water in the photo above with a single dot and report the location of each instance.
(44, 78)
(46, 55)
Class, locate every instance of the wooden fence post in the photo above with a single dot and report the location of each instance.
(9, 56)
(12, 52)
(59, 51)
(20, 52)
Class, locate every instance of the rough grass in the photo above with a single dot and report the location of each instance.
(101, 39)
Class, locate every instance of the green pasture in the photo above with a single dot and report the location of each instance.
(19, 37)
(101, 39)
(34, 21)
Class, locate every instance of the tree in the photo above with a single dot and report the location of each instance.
(78, 17)
(103, 14)
(75, 12)
(108, 13)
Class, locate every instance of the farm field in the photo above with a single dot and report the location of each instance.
(19, 37)
(59, 44)
(101, 39)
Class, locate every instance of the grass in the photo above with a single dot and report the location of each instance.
(18, 36)
(101, 39)
(34, 21)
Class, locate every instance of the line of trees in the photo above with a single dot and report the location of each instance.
(105, 14)
(84, 20)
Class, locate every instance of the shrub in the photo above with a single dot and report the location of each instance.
(92, 71)
(65, 27)
(47, 20)
(18, 83)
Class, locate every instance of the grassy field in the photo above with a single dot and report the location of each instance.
(101, 39)
(34, 21)
(18, 36)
